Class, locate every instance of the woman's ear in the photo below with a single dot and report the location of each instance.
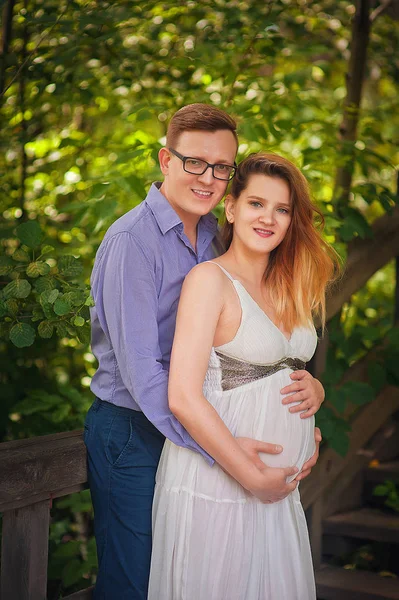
(164, 159)
(229, 206)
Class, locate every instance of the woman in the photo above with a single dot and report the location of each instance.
(244, 324)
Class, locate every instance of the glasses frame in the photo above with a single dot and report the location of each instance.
(208, 165)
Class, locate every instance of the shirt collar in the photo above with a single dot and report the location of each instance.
(165, 215)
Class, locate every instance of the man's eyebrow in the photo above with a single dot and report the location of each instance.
(221, 161)
(254, 197)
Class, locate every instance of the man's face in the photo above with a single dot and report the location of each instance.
(196, 195)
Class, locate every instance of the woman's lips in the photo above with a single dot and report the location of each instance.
(264, 233)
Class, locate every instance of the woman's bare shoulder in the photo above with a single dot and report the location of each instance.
(208, 271)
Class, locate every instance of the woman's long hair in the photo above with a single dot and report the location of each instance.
(302, 266)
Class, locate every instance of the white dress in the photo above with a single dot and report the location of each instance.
(213, 540)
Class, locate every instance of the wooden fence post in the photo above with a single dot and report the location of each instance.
(24, 552)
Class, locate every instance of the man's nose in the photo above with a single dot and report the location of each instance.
(207, 177)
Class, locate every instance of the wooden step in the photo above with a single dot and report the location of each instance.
(383, 471)
(335, 583)
(364, 523)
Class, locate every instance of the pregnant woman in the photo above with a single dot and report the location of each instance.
(245, 323)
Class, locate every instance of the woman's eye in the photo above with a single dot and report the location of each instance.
(285, 211)
(255, 204)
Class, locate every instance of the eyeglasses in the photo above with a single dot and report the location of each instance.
(196, 166)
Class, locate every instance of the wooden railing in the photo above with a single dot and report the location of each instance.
(32, 473)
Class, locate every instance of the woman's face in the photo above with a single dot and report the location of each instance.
(261, 214)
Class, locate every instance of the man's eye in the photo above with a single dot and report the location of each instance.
(193, 163)
(222, 168)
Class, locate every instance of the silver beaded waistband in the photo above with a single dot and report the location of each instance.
(237, 372)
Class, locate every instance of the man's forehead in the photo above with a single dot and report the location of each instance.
(220, 144)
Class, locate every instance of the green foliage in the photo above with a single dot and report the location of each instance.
(391, 491)
(51, 298)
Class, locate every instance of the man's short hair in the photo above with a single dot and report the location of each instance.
(194, 117)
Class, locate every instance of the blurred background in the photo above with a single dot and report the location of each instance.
(87, 89)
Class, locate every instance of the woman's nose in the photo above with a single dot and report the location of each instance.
(267, 216)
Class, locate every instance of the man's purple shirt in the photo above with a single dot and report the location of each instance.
(136, 282)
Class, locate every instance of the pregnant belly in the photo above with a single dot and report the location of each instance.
(256, 411)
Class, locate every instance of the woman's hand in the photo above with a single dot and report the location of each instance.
(253, 447)
(307, 390)
(271, 484)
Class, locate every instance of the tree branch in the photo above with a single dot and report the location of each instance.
(6, 38)
(380, 9)
(354, 84)
(365, 257)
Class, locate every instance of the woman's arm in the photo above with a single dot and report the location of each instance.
(200, 308)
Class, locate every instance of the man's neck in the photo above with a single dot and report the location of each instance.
(189, 220)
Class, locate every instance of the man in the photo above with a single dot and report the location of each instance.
(139, 269)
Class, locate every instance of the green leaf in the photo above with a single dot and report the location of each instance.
(79, 321)
(70, 548)
(12, 306)
(30, 234)
(46, 249)
(393, 337)
(22, 335)
(380, 490)
(69, 266)
(45, 329)
(340, 441)
(72, 572)
(3, 309)
(49, 296)
(337, 399)
(6, 265)
(61, 307)
(19, 288)
(61, 329)
(35, 269)
(45, 283)
(355, 223)
(357, 392)
(75, 298)
(89, 301)
(37, 314)
(21, 256)
(377, 376)
(83, 335)
(60, 413)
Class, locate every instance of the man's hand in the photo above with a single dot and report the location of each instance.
(253, 447)
(309, 464)
(307, 390)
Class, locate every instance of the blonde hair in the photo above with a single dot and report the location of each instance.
(303, 265)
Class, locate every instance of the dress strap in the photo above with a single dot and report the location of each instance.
(223, 269)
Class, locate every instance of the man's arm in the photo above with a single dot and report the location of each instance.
(126, 301)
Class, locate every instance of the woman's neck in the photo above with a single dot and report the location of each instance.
(250, 266)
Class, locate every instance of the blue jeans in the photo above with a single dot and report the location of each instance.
(123, 451)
